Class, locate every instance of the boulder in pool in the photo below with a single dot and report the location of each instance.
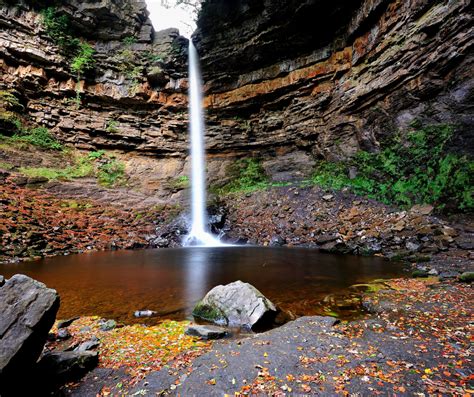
(237, 304)
(27, 312)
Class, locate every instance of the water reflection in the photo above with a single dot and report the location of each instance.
(171, 281)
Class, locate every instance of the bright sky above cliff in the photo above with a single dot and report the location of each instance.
(172, 16)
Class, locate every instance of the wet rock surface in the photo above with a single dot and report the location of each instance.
(236, 304)
(28, 310)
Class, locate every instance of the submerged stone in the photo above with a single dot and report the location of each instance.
(236, 304)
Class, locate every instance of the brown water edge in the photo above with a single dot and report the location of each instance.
(114, 284)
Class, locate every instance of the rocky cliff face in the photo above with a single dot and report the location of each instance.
(133, 101)
(306, 79)
(289, 82)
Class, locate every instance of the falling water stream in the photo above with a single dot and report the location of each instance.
(198, 236)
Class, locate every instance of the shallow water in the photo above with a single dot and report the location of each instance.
(170, 281)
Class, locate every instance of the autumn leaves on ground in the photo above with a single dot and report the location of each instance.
(416, 338)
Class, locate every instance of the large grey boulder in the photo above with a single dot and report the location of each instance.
(237, 304)
(27, 312)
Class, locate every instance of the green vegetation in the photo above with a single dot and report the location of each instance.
(84, 60)
(58, 29)
(81, 54)
(9, 100)
(111, 126)
(73, 204)
(151, 57)
(111, 173)
(10, 121)
(410, 169)
(82, 168)
(180, 183)
(96, 154)
(38, 136)
(127, 61)
(6, 166)
(108, 170)
(129, 40)
(247, 175)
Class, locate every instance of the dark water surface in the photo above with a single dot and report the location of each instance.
(170, 281)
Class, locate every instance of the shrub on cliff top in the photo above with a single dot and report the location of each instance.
(411, 169)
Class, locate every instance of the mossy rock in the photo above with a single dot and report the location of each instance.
(237, 304)
(369, 288)
(210, 313)
(420, 274)
(467, 277)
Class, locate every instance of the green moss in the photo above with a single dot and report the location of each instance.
(411, 169)
(467, 277)
(420, 274)
(330, 313)
(369, 288)
(6, 166)
(9, 100)
(111, 126)
(108, 170)
(209, 313)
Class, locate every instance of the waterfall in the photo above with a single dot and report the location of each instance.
(198, 234)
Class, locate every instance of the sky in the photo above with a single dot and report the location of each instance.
(173, 17)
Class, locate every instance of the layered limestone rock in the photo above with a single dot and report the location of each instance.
(288, 82)
(133, 101)
(318, 79)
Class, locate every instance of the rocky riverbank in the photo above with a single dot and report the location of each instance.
(416, 340)
(341, 222)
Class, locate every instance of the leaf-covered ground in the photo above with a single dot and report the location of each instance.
(415, 342)
(137, 349)
(34, 223)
